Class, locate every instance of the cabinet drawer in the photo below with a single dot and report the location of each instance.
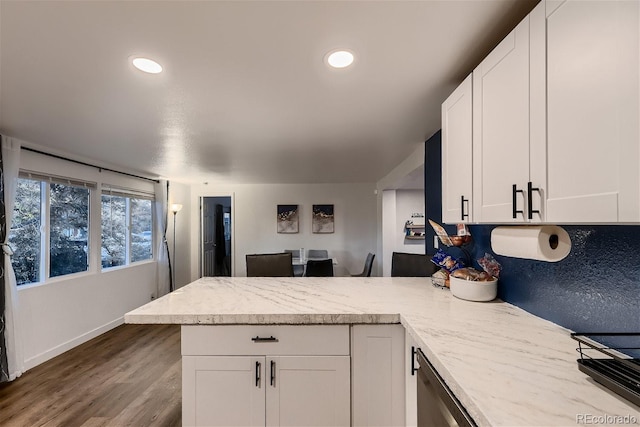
(240, 340)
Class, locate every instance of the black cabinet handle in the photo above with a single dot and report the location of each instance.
(514, 193)
(462, 202)
(530, 190)
(257, 374)
(273, 371)
(261, 339)
(413, 361)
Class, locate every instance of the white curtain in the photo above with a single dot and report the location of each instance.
(13, 337)
(161, 217)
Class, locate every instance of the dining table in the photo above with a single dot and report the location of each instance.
(303, 261)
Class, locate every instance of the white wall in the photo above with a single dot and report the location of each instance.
(407, 203)
(67, 311)
(254, 221)
(60, 315)
(397, 207)
(181, 260)
(388, 229)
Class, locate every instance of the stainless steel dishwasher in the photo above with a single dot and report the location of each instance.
(437, 405)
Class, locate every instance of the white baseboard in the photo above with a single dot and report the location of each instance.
(58, 350)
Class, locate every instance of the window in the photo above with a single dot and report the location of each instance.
(127, 227)
(141, 230)
(60, 206)
(51, 223)
(25, 235)
(114, 231)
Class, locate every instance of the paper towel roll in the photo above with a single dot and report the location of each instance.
(544, 242)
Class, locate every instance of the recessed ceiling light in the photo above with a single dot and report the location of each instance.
(340, 58)
(147, 65)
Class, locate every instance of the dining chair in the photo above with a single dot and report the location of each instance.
(319, 268)
(298, 270)
(317, 253)
(269, 265)
(368, 265)
(412, 265)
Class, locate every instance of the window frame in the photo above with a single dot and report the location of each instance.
(45, 181)
(128, 195)
(93, 227)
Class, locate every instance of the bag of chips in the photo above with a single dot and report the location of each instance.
(490, 265)
(446, 261)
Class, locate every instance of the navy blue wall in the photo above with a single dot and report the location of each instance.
(596, 288)
(433, 192)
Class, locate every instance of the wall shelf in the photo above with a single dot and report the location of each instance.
(414, 231)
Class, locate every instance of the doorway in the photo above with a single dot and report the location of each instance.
(215, 223)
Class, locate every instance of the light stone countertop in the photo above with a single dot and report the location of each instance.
(507, 367)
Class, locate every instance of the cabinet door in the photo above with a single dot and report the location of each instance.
(377, 355)
(457, 155)
(308, 391)
(501, 129)
(223, 391)
(411, 381)
(593, 113)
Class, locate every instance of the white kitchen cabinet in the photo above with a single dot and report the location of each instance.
(266, 375)
(223, 391)
(308, 390)
(593, 111)
(411, 381)
(377, 368)
(457, 146)
(509, 126)
(556, 119)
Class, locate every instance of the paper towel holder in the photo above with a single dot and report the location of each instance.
(547, 242)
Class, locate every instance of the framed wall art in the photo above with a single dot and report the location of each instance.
(288, 219)
(323, 219)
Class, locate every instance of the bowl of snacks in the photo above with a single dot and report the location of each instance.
(473, 285)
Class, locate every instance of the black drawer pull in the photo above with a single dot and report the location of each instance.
(257, 374)
(273, 371)
(258, 338)
(514, 193)
(462, 202)
(530, 190)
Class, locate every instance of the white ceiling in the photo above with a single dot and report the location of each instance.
(245, 95)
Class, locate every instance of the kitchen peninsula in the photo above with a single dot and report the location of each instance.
(506, 366)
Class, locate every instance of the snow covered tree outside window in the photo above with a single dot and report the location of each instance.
(25, 236)
(127, 230)
(66, 210)
(51, 223)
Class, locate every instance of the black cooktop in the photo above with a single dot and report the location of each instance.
(614, 364)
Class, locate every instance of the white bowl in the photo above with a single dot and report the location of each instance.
(473, 291)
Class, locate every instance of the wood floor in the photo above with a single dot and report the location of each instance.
(129, 376)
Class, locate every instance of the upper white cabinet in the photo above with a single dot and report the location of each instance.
(556, 120)
(457, 155)
(509, 127)
(593, 111)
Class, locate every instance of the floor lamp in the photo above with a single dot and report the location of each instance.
(175, 208)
